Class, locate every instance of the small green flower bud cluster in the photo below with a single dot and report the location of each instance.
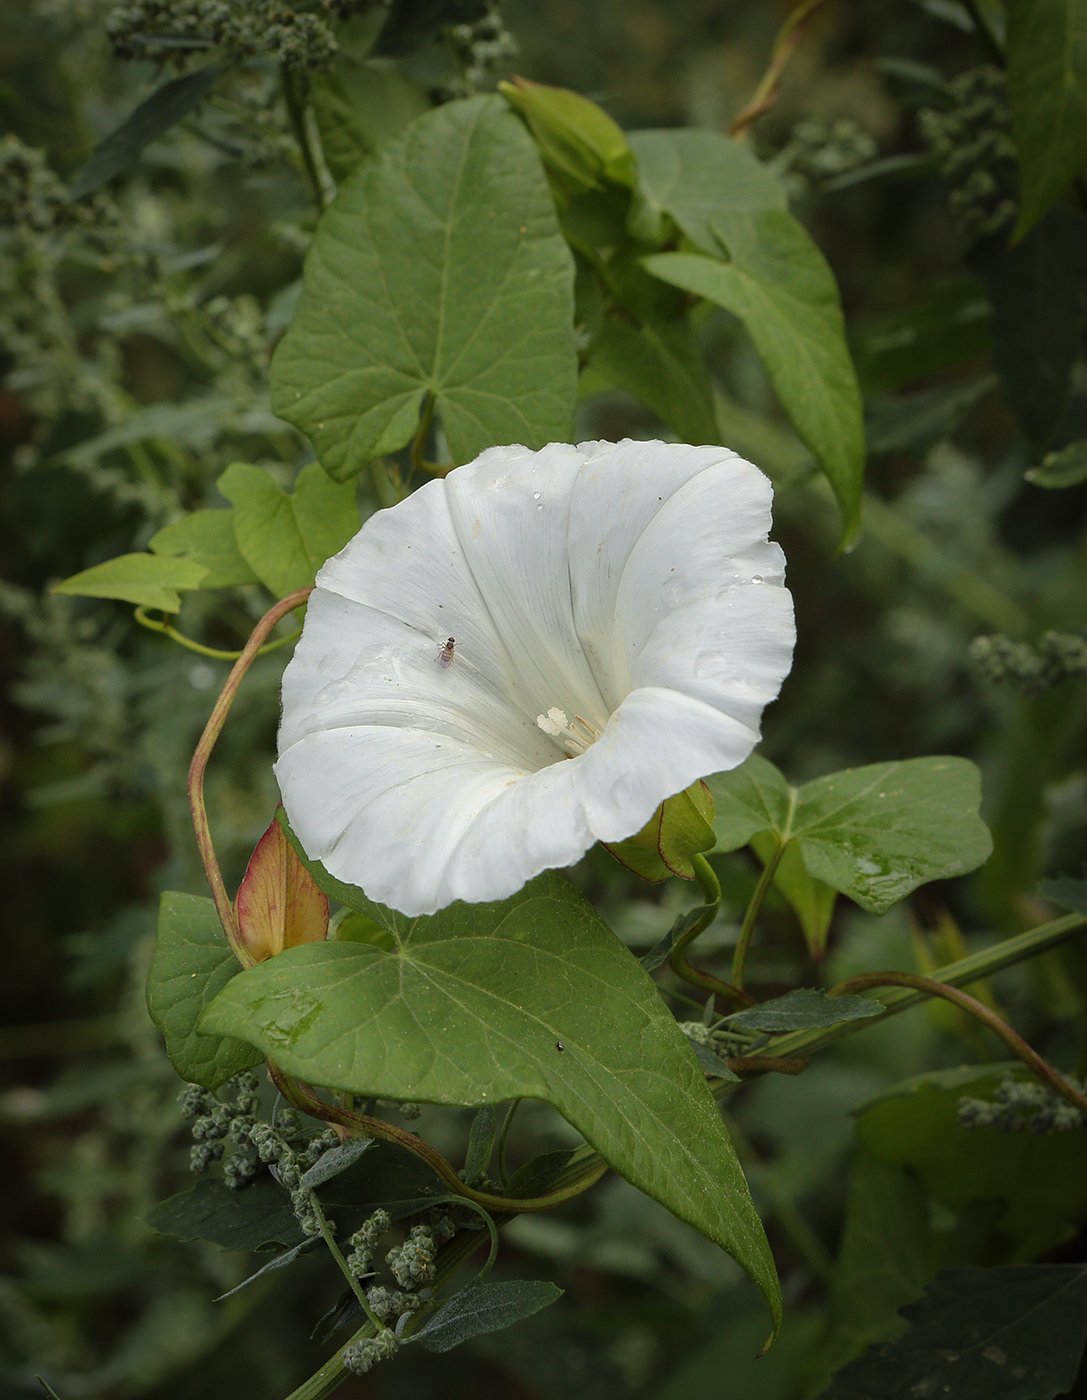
(276, 1146)
(171, 31)
(217, 1120)
(817, 151)
(364, 1242)
(480, 48)
(34, 200)
(1058, 655)
(972, 142)
(361, 1355)
(387, 1302)
(413, 1262)
(1023, 1106)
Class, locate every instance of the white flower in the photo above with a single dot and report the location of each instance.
(620, 621)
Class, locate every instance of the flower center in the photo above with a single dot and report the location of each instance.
(574, 735)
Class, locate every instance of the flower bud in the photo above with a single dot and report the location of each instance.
(278, 903)
(680, 827)
(578, 141)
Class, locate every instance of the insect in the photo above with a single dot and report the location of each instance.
(445, 656)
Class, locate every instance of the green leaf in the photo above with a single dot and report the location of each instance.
(696, 176)
(873, 833)
(359, 106)
(151, 119)
(1068, 467)
(286, 538)
(712, 1062)
(439, 269)
(192, 963)
(917, 421)
(336, 1160)
(804, 1008)
(977, 1334)
(148, 580)
(779, 285)
(810, 900)
(480, 1144)
(882, 1261)
(1047, 89)
(473, 1009)
(660, 363)
(485, 1307)
(206, 537)
(254, 1218)
(1040, 1182)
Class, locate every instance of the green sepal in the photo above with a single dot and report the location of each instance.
(578, 141)
(681, 827)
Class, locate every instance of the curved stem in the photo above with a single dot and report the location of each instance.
(300, 1096)
(164, 627)
(677, 958)
(785, 45)
(337, 1254)
(865, 981)
(223, 906)
(747, 929)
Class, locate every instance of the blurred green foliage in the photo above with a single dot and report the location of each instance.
(136, 328)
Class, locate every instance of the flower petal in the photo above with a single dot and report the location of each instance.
(419, 822)
(511, 510)
(657, 743)
(619, 491)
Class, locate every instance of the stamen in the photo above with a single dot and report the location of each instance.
(575, 737)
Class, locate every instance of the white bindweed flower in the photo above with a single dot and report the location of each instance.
(620, 620)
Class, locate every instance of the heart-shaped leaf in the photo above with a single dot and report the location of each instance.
(285, 538)
(873, 833)
(531, 998)
(439, 269)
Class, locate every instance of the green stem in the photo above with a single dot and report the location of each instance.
(897, 999)
(356, 1286)
(223, 906)
(164, 627)
(677, 958)
(747, 929)
(303, 1098)
(296, 113)
(865, 981)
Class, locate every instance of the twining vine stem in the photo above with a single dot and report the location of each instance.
(223, 905)
(866, 981)
(677, 958)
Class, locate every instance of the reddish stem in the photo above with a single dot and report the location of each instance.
(223, 906)
(985, 1014)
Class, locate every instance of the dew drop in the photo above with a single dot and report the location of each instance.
(540, 506)
(671, 593)
(332, 692)
(536, 495)
(756, 578)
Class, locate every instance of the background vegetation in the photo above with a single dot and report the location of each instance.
(135, 332)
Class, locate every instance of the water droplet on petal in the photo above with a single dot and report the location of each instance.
(536, 495)
(332, 692)
(672, 593)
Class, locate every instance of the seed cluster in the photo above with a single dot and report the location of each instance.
(1034, 670)
(1023, 1106)
(972, 142)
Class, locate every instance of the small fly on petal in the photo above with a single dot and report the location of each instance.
(445, 656)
